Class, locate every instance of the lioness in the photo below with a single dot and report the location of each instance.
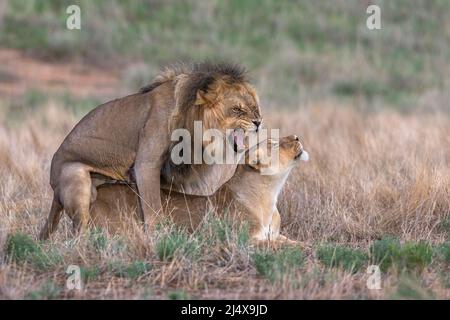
(252, 194)
(128, 139)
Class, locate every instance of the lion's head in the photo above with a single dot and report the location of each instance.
(218, 94)
(227, 104)
(221, 97)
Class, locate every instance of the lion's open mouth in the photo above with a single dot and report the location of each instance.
(238, 140)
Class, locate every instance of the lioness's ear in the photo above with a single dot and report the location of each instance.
(252, 159)
(255, 164)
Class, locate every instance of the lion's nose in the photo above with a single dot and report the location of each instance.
(294, 137)
(257, 123)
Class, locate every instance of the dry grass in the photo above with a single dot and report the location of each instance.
(370, 175)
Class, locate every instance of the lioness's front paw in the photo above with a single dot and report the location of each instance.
(280, 241)
(286, 240)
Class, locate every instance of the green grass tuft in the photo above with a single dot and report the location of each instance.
(47, 291)
(223, 230)
(443, 252)
(132, 270)
(411, 289)
(21, 248)
(89, 273)
(416, 256)
(98, 239)
(178, 295)
(274, 265)
(346, 258)
(243, 235)
(385, 252)
(411, 256)
(176, 242)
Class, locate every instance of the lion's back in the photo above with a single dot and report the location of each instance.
(106, 137)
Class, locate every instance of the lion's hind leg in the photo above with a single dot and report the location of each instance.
(75, 191)
(53, 219)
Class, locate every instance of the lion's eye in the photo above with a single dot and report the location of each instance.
(238, 111)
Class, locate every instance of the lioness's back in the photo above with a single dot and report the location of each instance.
(118, 202)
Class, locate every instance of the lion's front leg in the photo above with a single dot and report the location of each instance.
(152, 149)
(148, 181)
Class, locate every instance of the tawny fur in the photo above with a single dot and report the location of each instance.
(128, 139)
(250, 195)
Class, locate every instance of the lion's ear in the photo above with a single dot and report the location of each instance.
(201, 98)
(213, 94)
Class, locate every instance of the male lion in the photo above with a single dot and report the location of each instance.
(249, 193)
(128, 140)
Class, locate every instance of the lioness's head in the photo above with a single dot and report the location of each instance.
(276, 156)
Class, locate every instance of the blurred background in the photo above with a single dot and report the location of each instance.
(298, 52)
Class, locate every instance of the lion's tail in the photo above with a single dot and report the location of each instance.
(53, 219)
